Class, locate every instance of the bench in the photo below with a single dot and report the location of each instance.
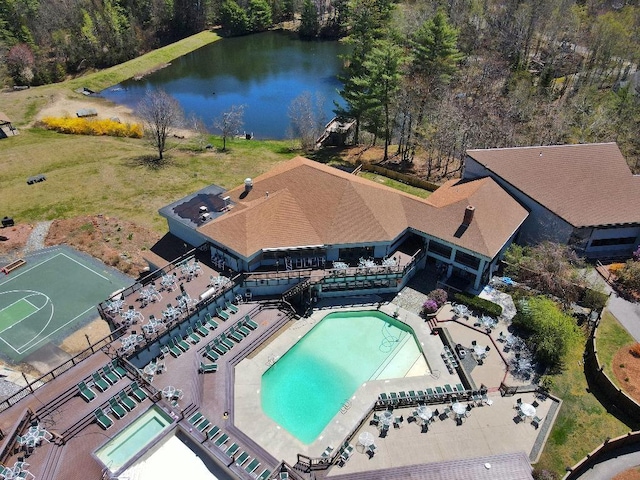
(12, 266)
(36, 179)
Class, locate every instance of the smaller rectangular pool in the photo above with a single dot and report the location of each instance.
(133, 439)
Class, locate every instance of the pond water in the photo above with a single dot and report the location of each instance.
(264, 72)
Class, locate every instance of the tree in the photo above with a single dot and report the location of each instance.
(259, 15)
(309, 24)
(229, 123)
(233, 18)
(20, 63)
(307, 119)
(161, 114)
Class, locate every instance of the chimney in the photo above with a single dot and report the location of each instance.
(468, 215)
(248, 184)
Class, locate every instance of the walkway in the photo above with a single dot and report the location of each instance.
(614, 463)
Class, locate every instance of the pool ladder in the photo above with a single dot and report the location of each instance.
(345, 406)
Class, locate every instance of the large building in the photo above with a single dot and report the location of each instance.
(581, 195)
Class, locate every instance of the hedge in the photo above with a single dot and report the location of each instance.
(84, 126)
(478, 305)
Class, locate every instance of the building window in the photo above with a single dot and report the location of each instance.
(606, 242)
(468, 260)
(440, 249)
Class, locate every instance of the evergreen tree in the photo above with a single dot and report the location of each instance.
(233, 18)
(259, 15)
(309, 24)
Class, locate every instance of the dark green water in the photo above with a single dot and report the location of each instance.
(264, 72)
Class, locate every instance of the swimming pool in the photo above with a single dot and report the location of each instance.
(133, 439)
(305, 388)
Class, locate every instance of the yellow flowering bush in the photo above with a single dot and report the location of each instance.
(85, 126)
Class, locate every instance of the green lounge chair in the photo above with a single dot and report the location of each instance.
(222, 439)
(118, 410)
(193, 337)
(242, 458)
(459, 387)
(242, 329)
(253, 466)
(208, 367)
(111, 376)
(430, 392)
(211, 434)
(223, 315)
(265, 474)
(100, 383)
(85, 392)
(231, 451)
(218, 347)
(211, 322)
(181, 344)
(137, 392)
(196, 418)
(172, 349)
(210, 353)
(201, 329)
(128, 402)
(233, 335)
(102, 420)
(231, 307)
(250, 323)
(118, 369)
(225, 341)
(412, 396)
(202, 426)
(439, 391)
(448, 388)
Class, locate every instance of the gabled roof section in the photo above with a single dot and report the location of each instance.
(586, 185)
(305, 203)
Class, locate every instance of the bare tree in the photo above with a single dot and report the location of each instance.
(307, 119)
(229, 123)
(161, 115)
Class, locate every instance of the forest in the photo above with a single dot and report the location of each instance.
(425, 78)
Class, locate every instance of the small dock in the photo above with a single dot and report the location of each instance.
(336, 132)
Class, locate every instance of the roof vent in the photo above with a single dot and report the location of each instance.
(248, 184)
(205, 216)
(204, 209)
(468, 215)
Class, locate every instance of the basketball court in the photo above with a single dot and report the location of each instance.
(51, 296)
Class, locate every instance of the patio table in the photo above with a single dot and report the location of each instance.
(386, 417)
(527, 409)
(461, 310)
(389, 262)
(168, 392)
(458, 408)
(366, 439)
(424, 413)
(340, 265)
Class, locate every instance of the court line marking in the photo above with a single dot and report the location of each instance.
(82, 265)
(17, 350)
(29, 269)
(12, 304)
(37, 309)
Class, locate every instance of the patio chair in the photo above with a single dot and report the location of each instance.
(233, 335)
(250, 323)
(85, 392)
(211, 322)
(253, 466)
(327, 452)
(375, 420)
(231, 307)
(486, 399)
(218, 347)
(128, 402)
(231, 451)
(535, 404)
(208, 367)
(458, 420)
(460, 388)
(384, 431)
(137, 392)
(448, 388)
(222, 439)
(536, 421)
(100, 383)
(117, 410)
(221, 314)
(284, 475)
(439, 392)
(383, 399)
(102, 420)
(425, 427)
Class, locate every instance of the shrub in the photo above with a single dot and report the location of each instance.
(429, 307)
(544, 475)
(84, 126)
(439, 296)
(479, 305)
(594, 299)
(629, 275)
(635, 350)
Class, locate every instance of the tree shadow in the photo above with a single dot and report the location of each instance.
(152, 162)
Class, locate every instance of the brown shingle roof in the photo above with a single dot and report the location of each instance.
(314, 204)
(586, 185)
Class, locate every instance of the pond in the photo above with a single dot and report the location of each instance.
(264, 72)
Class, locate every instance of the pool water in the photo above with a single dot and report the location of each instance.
(305, 388)
(133, 439)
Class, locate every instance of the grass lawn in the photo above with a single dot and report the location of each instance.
(611, 337)
(389, 182)
(91, 175)
(582, 423)
(22, 106)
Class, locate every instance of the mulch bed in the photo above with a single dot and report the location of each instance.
(628, 375)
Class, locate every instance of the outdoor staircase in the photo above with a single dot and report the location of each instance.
(296, 289)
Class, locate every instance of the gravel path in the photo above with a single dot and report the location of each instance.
(37, 236)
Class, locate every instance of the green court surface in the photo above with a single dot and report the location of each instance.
(50, 297)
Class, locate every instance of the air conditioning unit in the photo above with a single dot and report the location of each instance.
(205, 216)
(203, 209)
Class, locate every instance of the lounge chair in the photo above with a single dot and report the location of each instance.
(447, 388)
(225, 341)
(383, 399)
(242, 458)
(193, 337)
(218, 347)
(231, 307)
(459, 387)
(180, 343)
(250, 323)
(85, 392)
(285, 475)
(100, 383)
(137, 392)
(231, 451)
(242, 329)
(118, 369)
(221, 314)
(173, 349)
(211, 322)
(253, 466)
(128, 402)
(196, 418)
(111, 376)
(203, 425)
(210, 353)
(439, 391)
(118, 410)
(208, 367)
(211, 434)
(102, 420)
(430, 393)
(394, 398)
(201, 329)
(412, 396)
(264, 475)
(235, 336)
(403, 397)
(222, 439)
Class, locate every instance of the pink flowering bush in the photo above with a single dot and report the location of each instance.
(429, 307)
